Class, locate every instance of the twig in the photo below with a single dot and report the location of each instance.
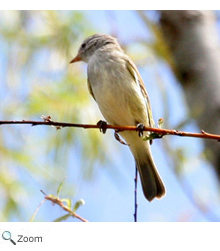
(160, 132)
(156, 133)
(57, 201)
(135, 194)
(32, 218)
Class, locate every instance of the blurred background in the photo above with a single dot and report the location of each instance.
(177, 54)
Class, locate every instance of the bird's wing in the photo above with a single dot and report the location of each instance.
(90, 88)
(137, 77)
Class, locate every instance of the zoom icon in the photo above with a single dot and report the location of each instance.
(6, 235)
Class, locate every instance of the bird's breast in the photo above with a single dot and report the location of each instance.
(115, 92)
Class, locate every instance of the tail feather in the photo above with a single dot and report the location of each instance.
(152, 184)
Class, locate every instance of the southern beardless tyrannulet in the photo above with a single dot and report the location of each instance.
(117, 87)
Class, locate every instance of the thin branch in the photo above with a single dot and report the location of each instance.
(159, 133)
(156, 133)
(135, 194)
(58, 202)
(32, 218)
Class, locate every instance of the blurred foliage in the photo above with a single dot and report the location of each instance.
(36, 79)
(183, 162)
(64, 203)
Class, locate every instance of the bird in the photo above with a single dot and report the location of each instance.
(116, 85)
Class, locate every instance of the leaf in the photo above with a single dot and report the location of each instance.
(79, 203)
(160, 123)
(62, 218)
(52, 196)
(59, 188)
(152, 136)
(68, 202)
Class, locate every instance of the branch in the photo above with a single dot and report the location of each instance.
(135, 194)
(159, 133)
(57, 201)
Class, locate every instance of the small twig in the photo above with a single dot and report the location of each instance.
(135, 194)
(117, 137)
(58, 202)
(155, 133)
(32, 218)
(160, 132)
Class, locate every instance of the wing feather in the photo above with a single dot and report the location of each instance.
(90, 88)
(137, 77)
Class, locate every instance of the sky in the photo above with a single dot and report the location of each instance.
(109, 197)
(171, 207)
(176, 206)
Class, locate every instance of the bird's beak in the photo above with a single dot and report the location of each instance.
(76, 59)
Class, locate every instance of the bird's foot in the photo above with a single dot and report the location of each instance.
(102, 126)
(140, 129)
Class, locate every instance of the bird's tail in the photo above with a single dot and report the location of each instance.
(152, 184)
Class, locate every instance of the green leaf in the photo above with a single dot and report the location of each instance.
(68, 202)
(59, 188)
(160, 123)
(62, 218)
(79, 203)
(153, 135)
(52, 196)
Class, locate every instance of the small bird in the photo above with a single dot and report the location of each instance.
(116, 85)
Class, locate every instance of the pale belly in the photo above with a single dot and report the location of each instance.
(120, 105)
(117, 94)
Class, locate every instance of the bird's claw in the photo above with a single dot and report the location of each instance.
(102, 126)
(140, 129)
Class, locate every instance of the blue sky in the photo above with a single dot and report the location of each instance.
(117, 199)
(109, 196)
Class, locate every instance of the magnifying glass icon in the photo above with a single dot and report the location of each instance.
(6, 235)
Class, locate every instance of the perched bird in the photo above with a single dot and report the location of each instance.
(117, 87)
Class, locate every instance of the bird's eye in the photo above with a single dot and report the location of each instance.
(83, 45)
